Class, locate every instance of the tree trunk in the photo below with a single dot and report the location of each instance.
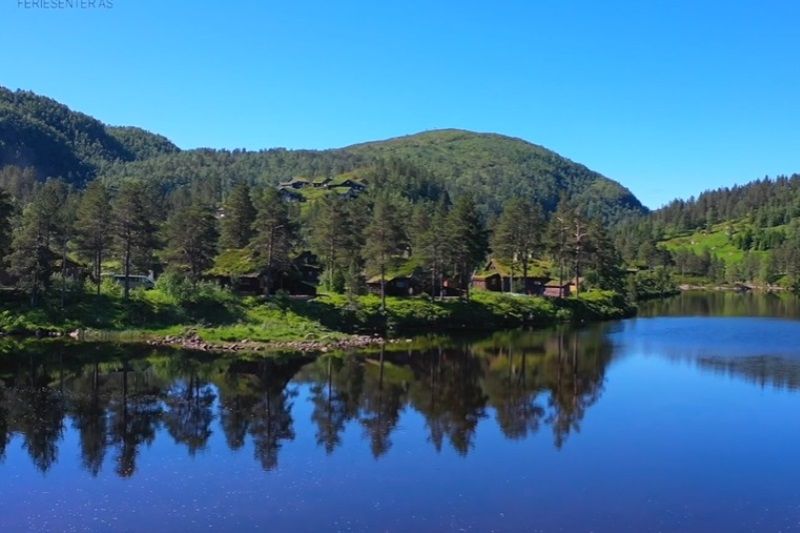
(525, 274)
(63, 273)
(127, 269)
(383, 288)
(97, 269)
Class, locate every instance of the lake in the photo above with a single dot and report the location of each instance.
(684, 419)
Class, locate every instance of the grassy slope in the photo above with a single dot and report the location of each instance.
(715, 241)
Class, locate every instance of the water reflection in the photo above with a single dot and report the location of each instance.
(118, 400)
(724, 303)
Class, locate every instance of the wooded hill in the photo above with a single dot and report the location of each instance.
(39, 133)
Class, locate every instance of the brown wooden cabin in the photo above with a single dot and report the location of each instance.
(395, 285)
(554, 290)
(497, 278)
(299, 280)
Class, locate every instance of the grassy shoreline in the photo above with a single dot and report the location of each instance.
(224, 320)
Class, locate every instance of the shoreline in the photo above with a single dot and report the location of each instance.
(333, 323)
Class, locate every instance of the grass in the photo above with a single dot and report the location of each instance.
(714, 240)
(220, 316)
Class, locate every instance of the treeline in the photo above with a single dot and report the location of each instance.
(763, 203)
(752, 234)
(139, 228)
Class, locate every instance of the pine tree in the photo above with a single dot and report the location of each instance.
(6, 210)
(133, 228)
(384, 239)
(93, 227)
(236, 225)
(429, 243)
(330, 231)
(467, 239)
(517, 235)
(274, 235)
(31, 259)
(191, 236)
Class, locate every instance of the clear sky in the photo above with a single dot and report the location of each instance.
(667, 97)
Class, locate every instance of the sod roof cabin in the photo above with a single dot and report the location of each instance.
(497, 276)
(235, 268)
(404, 279)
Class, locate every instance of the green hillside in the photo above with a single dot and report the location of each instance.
(42, 134)
(498, 168)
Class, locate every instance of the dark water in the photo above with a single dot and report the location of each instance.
(686, 419)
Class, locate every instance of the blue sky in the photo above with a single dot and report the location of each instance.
(669, 98)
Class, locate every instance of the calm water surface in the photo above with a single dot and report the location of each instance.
(685, 419)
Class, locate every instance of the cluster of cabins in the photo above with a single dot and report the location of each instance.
(294, 189)
(494, 277)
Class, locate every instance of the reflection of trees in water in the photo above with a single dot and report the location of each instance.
(544, 376)
(255, 400)
(118, 403)
(88, 405)
(763, 370)
(335, 395)
(381, 403)
(134, 415)
(36, 410)
(188, 402)
(724, 303)
(447, 391)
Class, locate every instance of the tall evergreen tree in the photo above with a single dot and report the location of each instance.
(517, 235)
(236, 225)
(93, 227)
(134, 229)
(191, 236)
(384, 238)
(31, 259)
(468, 239)
(429, 243)
(274, 235)
(329, 235)
(6, 210)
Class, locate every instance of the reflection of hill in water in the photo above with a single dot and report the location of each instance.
(765, 351)
(118, 400)
(762, 370)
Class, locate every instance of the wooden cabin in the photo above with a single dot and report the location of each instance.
(554, 290)
(236, 270)
(395, 285)
(497, 277)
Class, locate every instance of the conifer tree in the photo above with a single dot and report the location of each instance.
(467, 238)
(384, 238)
(6, 210)
(274, 235)
(191, 236)
(517, 235)
(133, 228)
(31, 259)
(236, 225)
(93, 227)
(330, 231)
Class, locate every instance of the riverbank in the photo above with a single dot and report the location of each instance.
(224, 321)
